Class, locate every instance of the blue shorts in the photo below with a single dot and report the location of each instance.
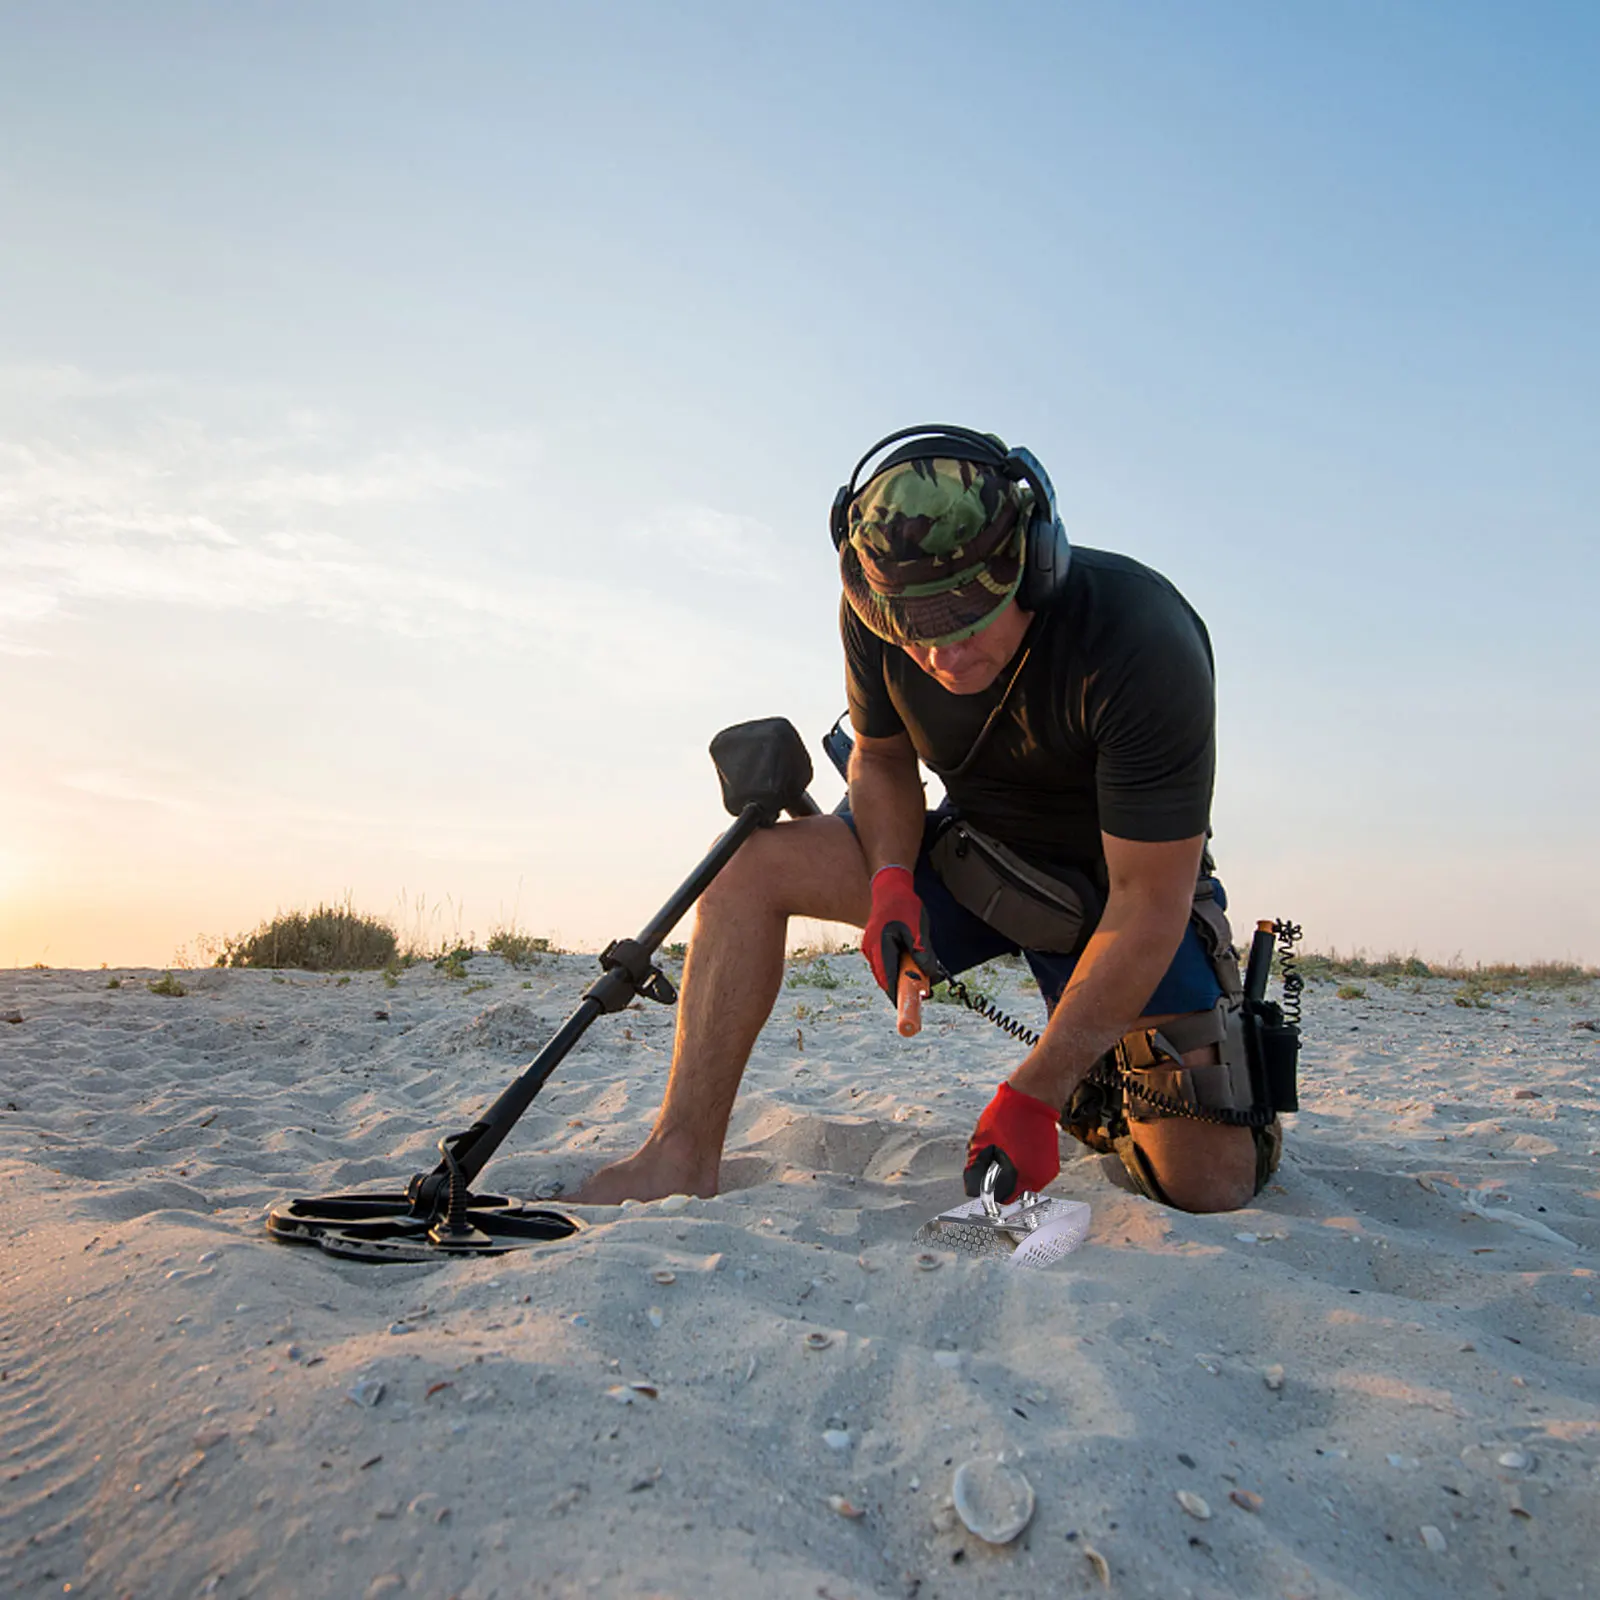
(961, 940)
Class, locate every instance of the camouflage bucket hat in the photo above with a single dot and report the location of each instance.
(934, 550)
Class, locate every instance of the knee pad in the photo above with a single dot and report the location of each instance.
(1235, 1091)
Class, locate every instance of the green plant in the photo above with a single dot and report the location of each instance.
(676, 951)
(327, 939)
(453, 963)
(1495, 978)
(816, 973)
(343, 982)
(942, 996)
(168, 985)
(1351, 991)
(391, 978)
(475, 988)
(113, 983)
(520, 949)
(1473, 997)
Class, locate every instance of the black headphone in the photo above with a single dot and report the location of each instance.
(1046, 549)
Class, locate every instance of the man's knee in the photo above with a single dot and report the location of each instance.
(1180, 1166)
(1208, 1190)
(792, 868)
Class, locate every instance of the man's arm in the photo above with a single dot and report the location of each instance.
(886, 800)
(1147, 910)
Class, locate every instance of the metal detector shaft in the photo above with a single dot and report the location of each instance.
(629, 972)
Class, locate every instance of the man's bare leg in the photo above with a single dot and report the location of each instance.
(809, 868)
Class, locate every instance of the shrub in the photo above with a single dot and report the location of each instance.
(453, 963)
(1351, 991)
(520, 949)
(328, 939)
(166, 985)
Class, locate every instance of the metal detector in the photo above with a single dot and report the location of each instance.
(764, 771)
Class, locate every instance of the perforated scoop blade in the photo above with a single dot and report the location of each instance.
(1033, 1230)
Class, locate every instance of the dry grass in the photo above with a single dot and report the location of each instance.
(519, 948)
(327, 939)
(1496, 978)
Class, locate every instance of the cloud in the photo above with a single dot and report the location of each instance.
(721, 543)
(114, 493)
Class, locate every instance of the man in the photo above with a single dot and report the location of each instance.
(1065, 698)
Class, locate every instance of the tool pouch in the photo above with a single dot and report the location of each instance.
(1038, 910)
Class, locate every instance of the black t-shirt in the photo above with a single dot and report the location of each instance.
(1111, 725)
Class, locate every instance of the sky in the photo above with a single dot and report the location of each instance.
(418, 425)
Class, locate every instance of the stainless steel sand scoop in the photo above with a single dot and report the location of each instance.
(1032, 1231)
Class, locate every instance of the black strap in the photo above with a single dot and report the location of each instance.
(959, 770)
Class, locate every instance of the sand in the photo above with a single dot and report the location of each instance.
(1395, 1349)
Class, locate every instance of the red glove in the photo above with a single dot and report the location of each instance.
(897, 927)
(1022, 1134)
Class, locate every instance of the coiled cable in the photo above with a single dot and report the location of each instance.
(1288, 936)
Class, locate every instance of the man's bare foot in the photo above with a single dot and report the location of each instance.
(648, 1174)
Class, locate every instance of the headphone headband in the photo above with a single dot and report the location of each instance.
(1046, 550)
(983, 447)
(969, 445)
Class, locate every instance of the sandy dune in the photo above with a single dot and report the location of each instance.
(1401, 1336)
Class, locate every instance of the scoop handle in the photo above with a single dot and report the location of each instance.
(910, 993)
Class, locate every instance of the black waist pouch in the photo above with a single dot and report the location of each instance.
(1274, 1051)
(1054, 911)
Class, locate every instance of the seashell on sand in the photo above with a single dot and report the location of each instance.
(1515, 1460)
(1245, 1499)
(818, 1340)
(1194, 1504)
(993, 1500)
(664, 1275)
(838, 1503)
(927, 1261)
(837, 1438)
(1433, 1539)
(626, 1393)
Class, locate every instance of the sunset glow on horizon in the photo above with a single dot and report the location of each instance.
(417, 432)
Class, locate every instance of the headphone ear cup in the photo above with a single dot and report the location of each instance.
(1047, 554)
(838, 524)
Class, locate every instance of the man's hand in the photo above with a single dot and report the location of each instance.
(1023, 1135)
(897, 927)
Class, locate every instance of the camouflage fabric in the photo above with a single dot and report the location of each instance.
(934, 550)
